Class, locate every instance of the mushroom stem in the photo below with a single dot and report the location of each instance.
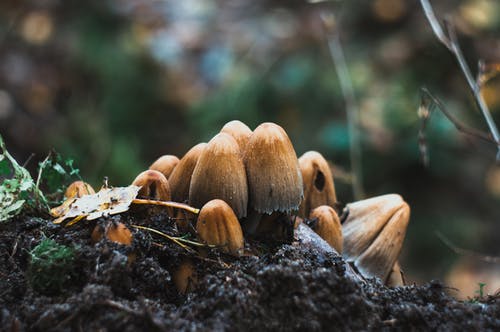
(167, 204)
(251, 222)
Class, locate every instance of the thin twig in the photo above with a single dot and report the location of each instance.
(337, 54)
(428, 104)
(167, 204)
(465, 252)
(451, 42)
(38, 192)
(177, 240)
(458, 124)
(122, 307)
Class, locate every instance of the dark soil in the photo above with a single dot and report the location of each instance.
(286, 287)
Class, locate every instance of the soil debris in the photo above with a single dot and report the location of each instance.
(287, 287)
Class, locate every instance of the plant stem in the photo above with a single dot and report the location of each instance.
(451, 44)
(167, 204)
(352, 110)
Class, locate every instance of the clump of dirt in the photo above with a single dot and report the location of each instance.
(285, 287)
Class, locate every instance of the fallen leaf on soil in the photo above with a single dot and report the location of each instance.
(105, 202)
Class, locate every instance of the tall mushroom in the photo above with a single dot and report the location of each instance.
(374, 232)
(181, 175)
(273, 174)
(318, 183)
(220, 173)
(165, 164)
(240, 132)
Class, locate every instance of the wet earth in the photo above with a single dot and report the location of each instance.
(114, 287)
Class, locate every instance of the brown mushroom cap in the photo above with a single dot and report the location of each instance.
(153, 185)
(180, 178)
(318, 183)
(240, 132)
(274, 179)
(78, 189)
(165, 164)
(115, 232)
(374, 232)
(185, 277)
(217, 225)
(326, 223)
(220, 173)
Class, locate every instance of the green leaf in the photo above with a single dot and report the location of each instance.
(5, 168)
(11, 210)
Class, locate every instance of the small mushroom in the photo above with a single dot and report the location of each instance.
(217, 225)
(220, 173)
(326, 223)
(185, 277)
(240, 132)
(165, 164)
(114, 231)
(318, 183)
(153, 185)
(374, 232)
(395, 278)
(180, 178)
(78, 189)
(273, 174)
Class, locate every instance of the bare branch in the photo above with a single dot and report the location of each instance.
(465, 252)
(435, 25)
(451, 42)
(428, 104)
(337, 54)
(457, 123)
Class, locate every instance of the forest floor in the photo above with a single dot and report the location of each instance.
(109, 286)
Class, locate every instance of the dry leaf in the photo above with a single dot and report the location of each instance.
(106, 202)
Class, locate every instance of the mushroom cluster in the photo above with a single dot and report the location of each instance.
(251, 182)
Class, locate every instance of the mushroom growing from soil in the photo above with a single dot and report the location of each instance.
(273, 174)
(78, 189)
(153, 185)
(180, 178)
(395, 278)
(326, 223)
(220, 173)
(179, 181)
(185, 277)
(217, 225)
(374, 232)
(240, 132)
(114, 231)
(165, 164)
(318, 183)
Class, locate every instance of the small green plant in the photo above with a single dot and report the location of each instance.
(16, 186)
(480, 291)
(54, 175)
(18, 189)
(51, 267)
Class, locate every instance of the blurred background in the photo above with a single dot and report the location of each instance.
(115, 84)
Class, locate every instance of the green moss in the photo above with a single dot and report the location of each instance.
(51, 267)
